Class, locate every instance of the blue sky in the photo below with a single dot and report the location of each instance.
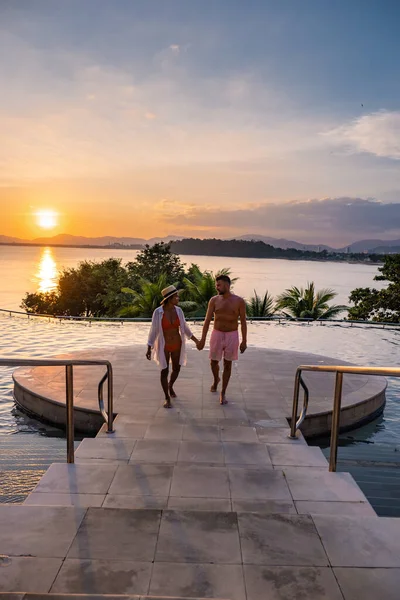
(180, 113)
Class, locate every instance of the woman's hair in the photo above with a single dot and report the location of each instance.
(170, 298)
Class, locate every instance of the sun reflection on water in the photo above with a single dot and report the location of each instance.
(46, 276)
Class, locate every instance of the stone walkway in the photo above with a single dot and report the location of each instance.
(262, 388)
(200, 501)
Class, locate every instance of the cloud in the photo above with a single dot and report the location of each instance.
(210, 135)
(170, 209)
(334, 218)
(377, 133)
(65, 114)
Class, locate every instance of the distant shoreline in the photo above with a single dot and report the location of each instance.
(109, 247)
(194, 252)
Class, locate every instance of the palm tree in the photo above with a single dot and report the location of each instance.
(200, 288)
(260, 307)
(307, 303)
(146, 300)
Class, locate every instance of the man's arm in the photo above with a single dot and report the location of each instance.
(243, 325)
(207, 321)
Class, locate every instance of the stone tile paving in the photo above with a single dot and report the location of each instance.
(261, 387)
(199, 503)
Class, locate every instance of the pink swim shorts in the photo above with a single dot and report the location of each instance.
(224, 344)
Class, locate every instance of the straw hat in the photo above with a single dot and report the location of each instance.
(168, 292)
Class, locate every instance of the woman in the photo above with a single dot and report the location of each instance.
(167, 339)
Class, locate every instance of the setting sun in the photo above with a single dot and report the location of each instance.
(46, 219)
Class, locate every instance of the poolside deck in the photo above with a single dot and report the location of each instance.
(201, 501)
(261, 388)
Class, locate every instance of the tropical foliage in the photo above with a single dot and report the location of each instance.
(260, 306)
(200, 288)
(154, 261)
(110, 289)
(379, 305)
(148, 298)
(306, 303)
(91, 290)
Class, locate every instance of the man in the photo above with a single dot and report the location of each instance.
(226, 308)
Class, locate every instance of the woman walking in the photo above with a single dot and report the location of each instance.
(167, 340)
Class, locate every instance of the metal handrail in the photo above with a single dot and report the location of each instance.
(340, 370)
(69, 390)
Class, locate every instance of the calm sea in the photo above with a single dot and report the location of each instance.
(24, 269)
(28, 447)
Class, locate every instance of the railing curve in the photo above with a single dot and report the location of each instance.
(339, 370)
(69, 390)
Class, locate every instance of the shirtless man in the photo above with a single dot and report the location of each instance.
(226, 308)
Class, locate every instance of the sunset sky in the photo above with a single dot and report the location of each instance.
(209, 118)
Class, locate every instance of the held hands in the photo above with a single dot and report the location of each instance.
(197, 343)
(243, 347)
(200, 344)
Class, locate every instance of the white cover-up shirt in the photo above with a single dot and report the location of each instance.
(156, 337)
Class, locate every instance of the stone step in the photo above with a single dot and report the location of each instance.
(29, 596)
(206, 430)
(189, 554)
(232, 452)
(199, 487)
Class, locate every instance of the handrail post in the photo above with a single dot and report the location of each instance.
(295, 404)
(335, 421)
(69, 385)
(110, 391)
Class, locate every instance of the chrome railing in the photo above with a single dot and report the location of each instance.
(69, 390)
(339, 370)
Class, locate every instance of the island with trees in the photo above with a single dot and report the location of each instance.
(259, 249)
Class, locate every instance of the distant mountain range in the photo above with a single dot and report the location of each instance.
(374, 246)
(64, 239)
(283, 243)
(370, 246)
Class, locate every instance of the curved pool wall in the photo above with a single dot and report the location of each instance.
(262, 387)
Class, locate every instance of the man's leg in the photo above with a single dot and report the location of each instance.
(226, 375)
(215, 372)
(175, 358)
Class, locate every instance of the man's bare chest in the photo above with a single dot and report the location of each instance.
(226, 308)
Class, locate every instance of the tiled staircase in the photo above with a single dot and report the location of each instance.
(197, 508)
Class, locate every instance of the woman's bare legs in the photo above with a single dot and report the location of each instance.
(175, 358)
(164, 382)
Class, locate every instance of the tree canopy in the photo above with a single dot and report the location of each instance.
(111, 289)
(379, 305)
(154, 261)
(93, 289)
